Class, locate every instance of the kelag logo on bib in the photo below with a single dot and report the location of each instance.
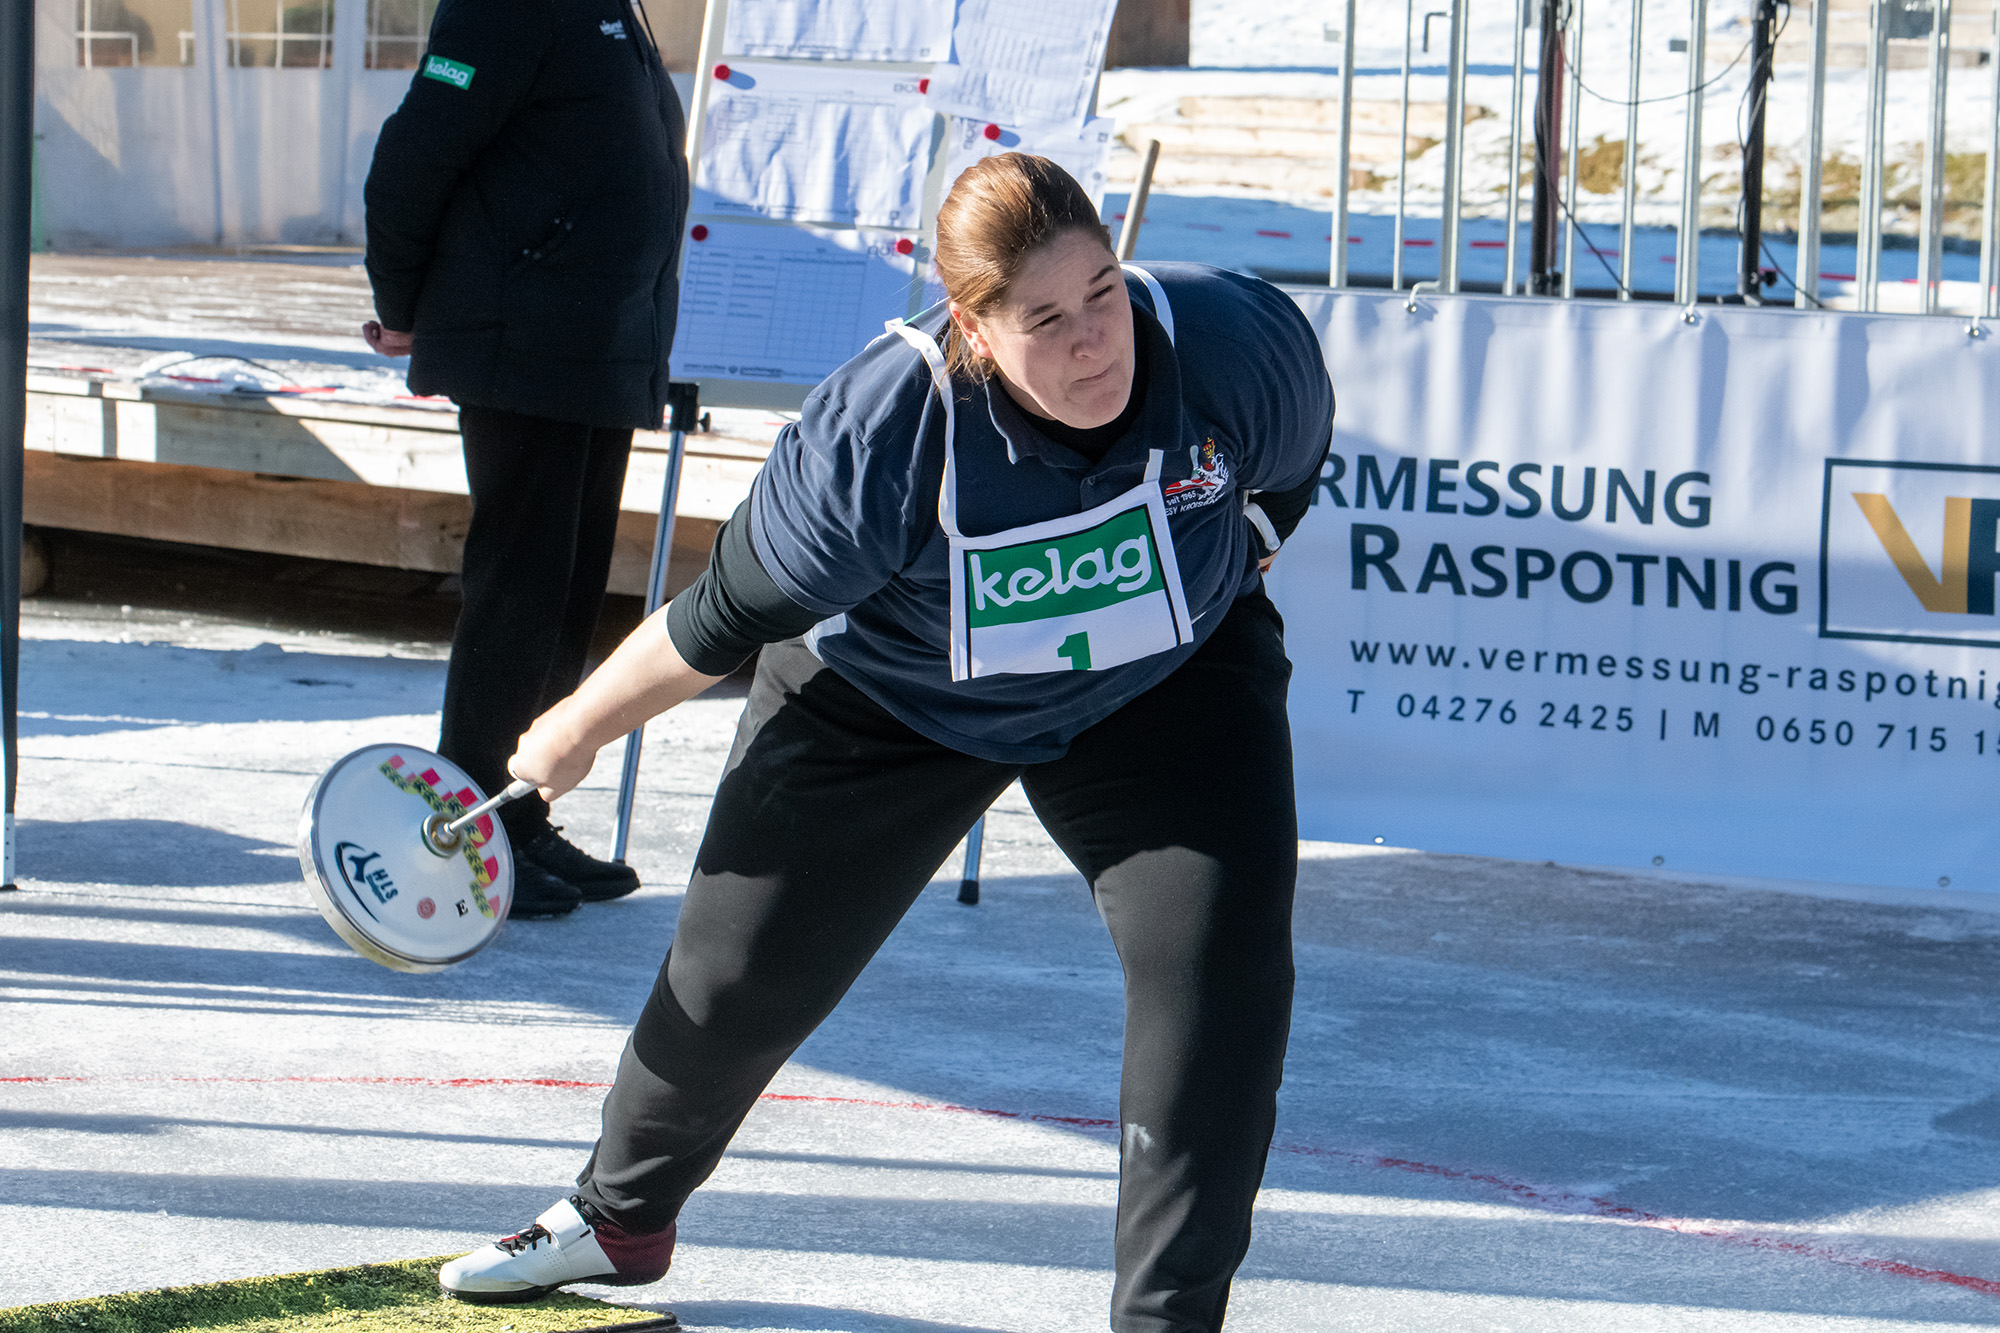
(1083, 600)
(1084, 593)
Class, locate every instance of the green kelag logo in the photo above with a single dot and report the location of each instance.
(1910, 552)
(448, 71)
(1085, 571)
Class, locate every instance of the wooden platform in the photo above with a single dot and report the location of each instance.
(295, 474)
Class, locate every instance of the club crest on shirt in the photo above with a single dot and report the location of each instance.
(1209, 483)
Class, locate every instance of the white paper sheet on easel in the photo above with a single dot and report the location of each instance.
(806, 143)
(1081, 155)
(1024, 62)
(785, 305)
(907, 30)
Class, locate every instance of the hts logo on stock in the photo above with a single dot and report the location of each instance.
(1910, 552)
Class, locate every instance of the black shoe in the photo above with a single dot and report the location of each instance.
(538, 893)
(598, 881)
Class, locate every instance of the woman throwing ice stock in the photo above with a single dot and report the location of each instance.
(1012, 540)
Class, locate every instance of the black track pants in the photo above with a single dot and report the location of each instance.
(544, 512)
(831, 818)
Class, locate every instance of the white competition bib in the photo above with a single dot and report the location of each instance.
(1084, 593)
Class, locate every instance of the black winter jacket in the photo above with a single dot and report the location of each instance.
(525, 210)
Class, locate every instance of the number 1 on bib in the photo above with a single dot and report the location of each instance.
(1077, 649)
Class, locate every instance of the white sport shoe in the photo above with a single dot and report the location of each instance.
(560, 1248)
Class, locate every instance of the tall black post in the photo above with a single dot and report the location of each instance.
(1750, 267)
(17, 156)
(1543, 277)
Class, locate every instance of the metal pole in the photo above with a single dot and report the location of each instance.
(683, 406)
(1135, 207)
(1930, 229)
(1548, 142)
(17, 158)
(1868, 230)
(1687, 259)
(1575, 133)
(212, 48)
(1989, 250)
(1628, 206)
(1514, 141)
(1749, 258)
(1454, 147)
(1402, 153)
(968, 880)
(1337, 266)
(1807, 274)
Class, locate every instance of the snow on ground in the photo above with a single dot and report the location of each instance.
(1282, 49)
(1263, 40)
(1520, 1096)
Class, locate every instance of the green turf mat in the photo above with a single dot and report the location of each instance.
(375, 1298)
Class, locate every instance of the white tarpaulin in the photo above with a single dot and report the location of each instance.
(1082, 154)
(906, 30)
(1589, 582)
(810, 143)
(1024, 62)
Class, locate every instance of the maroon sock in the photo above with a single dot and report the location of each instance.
(638, 1259)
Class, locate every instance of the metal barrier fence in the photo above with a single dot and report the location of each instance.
(1558, 79)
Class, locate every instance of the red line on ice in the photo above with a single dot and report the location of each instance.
(1553, 1201)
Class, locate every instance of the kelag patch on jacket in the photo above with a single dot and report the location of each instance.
(448, 71)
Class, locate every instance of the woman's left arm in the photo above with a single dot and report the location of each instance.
(1290, 409)
(1286, 509)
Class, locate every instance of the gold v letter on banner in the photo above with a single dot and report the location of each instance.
(1943, 593)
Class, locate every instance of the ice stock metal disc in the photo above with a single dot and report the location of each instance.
(376, 878)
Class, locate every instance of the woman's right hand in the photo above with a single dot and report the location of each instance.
(642, 679)
(552, 754)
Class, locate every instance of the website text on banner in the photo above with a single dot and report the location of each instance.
(1594, 583)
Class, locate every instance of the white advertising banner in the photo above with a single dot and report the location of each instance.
(1590, 582)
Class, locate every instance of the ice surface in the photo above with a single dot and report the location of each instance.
(199, 1081)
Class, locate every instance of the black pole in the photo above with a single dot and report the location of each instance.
(1750, 267)
(1543, 277)
(17, 157)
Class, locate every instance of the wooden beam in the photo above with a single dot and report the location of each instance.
(316, 518)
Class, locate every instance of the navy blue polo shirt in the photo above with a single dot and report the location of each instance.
(844, 515)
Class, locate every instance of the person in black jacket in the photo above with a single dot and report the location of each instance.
(525, 209)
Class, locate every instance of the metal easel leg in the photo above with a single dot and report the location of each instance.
(968, 883)
(683, 407)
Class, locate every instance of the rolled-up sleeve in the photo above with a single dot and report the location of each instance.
(734, 608)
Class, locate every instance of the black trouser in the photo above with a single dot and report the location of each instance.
(544, 513)
(831, 818)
